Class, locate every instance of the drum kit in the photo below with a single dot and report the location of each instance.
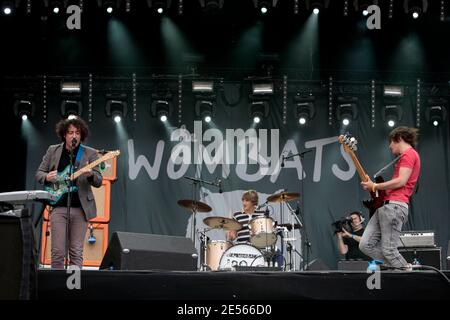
(264, 233)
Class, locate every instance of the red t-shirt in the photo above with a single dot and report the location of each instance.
(409, 159)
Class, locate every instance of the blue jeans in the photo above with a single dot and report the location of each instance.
(381, 237)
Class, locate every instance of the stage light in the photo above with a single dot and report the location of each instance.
(304, 109)
(415, 7)
(24, 108)
(202, 86)
(262, 88)
(347, 110)
(71, 108)
(160, 5)
(56, 10)
(204, 109)
(393, 91)
(7, 10)
(108, 5)
(211, 6)
(316, 5)
(72, 117)
(258, 111)
(264, 5)
(70, 87)
(436, 113)
(392, 115)
(116, 109)
(161, 109)
(363, 5)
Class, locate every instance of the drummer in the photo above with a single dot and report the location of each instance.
(249, 204)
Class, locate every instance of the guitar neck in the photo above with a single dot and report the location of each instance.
(359, 167)
(90, 166)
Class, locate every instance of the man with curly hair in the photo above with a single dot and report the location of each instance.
(82, 205)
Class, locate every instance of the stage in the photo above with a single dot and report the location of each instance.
(309, 285)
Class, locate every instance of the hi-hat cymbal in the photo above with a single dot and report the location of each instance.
(283, 197)
(222, 223)
(193, 205)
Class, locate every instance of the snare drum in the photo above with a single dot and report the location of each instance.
(262, 232)
(242, 255)
(214, 252)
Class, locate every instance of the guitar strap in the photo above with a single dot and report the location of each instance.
(79, 155)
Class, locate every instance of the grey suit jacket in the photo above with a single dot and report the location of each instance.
(50, 162)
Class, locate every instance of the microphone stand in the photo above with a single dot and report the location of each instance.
(195, 183)
(69, 181)
(307, 243)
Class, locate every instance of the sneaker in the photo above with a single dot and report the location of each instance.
(408, 267)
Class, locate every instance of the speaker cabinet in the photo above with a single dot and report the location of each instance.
(93, 251)
(424, 256)
(138, 251)
(17, 256)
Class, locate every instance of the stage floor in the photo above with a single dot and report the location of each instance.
(172, 285)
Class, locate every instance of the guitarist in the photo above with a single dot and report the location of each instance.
(71, 132)
(382, 235)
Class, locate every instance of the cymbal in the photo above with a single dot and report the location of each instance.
(222, 223)
(289, 226)
(283, 197)
(194, 205)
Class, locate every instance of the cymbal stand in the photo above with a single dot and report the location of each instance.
(204, 248)
(291, 241)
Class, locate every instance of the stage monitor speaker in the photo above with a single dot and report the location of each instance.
(17, 256)
(317, 265)
(138, 251)
(424, 256)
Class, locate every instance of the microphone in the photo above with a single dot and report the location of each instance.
(261, 205)
(74, 142)
(219, 183)
(282, 161)
(297, 211)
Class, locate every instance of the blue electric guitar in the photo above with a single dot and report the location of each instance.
(60, 186)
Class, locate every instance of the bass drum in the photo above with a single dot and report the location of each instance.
(242, 255)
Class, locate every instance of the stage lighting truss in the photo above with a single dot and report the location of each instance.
(347, 110)
(436, 112)
(392, 115)
(415, 8)
(304, 109)
(24, 106)
(116, 106)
